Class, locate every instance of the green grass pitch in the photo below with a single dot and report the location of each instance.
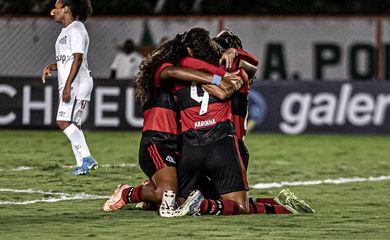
(359, 210)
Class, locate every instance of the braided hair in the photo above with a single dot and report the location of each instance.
(81, 9)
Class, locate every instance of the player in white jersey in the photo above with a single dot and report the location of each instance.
(74, 79)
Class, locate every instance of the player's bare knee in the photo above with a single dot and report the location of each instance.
(158, 194)
(62, 125)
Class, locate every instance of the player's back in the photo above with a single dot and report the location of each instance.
(204, 118)
(161, 116)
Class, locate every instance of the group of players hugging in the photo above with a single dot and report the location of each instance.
(194, 90)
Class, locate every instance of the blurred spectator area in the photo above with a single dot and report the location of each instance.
(289, 48)
(209, 7)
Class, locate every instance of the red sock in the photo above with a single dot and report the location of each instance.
(132, 194)
(266, 200)
(265, 208)
(219, 207)
(279, 209)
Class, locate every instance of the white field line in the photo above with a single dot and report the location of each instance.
(62, 196)
(85, 196)
(120, 165)
(318, 182)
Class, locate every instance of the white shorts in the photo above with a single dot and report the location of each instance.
(84, 89)
(72, 111)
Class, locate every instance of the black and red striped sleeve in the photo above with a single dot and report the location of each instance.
(194, 63)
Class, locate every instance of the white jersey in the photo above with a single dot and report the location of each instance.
(127, 65)
(74, 39)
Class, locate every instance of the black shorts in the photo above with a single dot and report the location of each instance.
(244, 153)
(219, 161)
(153, 157)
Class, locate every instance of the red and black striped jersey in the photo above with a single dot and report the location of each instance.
(240, 98)
(204, 118)
(239, 101)
(161, 115)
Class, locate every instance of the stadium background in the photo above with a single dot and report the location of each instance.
(305, 60)
(324, 69)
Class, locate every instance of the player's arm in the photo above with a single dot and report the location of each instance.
(230, 83)
(249, 69)
(228, 57)
(244, 55)
(193, 63)
(77, 60)
(47, 71)
(217, 92)
(246, 61)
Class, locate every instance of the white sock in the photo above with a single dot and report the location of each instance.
(77, 140)
(77, 155)
(84, 141)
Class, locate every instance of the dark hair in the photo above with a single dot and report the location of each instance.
(202, 46)
(197, 39)
(227, 39)
(171, 51)
(81, 9)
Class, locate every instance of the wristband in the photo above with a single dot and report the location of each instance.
(216, 80)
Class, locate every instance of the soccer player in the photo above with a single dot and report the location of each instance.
(74, 79)
(226, 205)
(161, 134)
(236, 59)
(208, 142)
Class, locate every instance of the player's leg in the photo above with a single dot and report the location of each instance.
(207, 188)
(83, 95)
(78, 157)
(159, 164)
(231, 180)
(227, 172)
(259, 205)
(68, 117)
(244, 153)
(189, 170)
(266, 206)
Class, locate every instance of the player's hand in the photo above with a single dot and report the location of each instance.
(230, 83)
(66, 93)
(228, 58)
(46, 72)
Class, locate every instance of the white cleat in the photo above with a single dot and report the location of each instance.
(192, 205)
(168, 204)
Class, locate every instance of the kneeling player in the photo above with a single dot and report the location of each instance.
(160, 142)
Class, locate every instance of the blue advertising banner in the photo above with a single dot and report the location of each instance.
(311, 107)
